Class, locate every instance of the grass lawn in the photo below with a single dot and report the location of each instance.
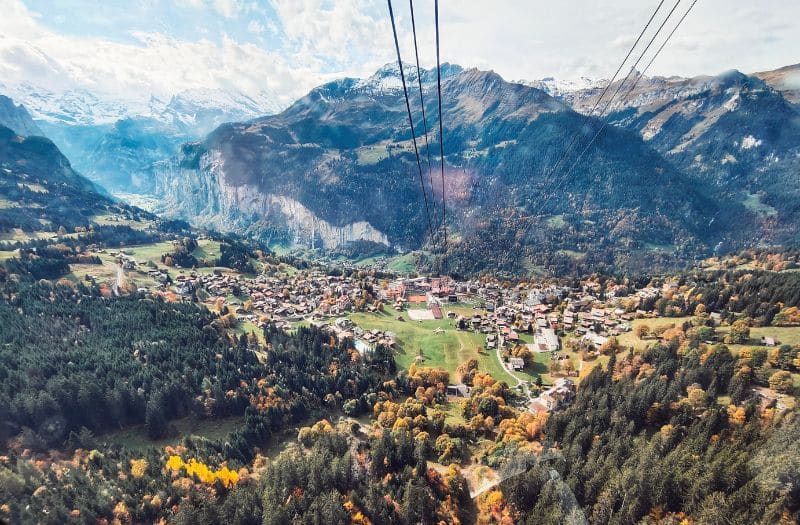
(110, 219)
(246, 327)
(368, 155)
(280, 249)
(629, 340)
(446, 350)
(784, 335)
(539, 368)
(753, 203)
(453, 412)
(17, 234)
(556, 222)
(207, 250)
(403, 264)
(8, 254)
(150, 252)
(135, 437)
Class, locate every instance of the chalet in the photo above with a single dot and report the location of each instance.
(595, 338)
(461, 390)
(516, 363)
(554, 398)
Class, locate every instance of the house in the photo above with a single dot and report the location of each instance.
(554, 398)
(516, 363)
(546, 340)
(461, 390)
(594, 338)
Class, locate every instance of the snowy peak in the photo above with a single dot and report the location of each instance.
(387, 79)
(72, 106)
(202, 110)
(206, 108)
(559, 87)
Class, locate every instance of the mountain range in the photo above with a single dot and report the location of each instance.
(115, 142)
(688, 166)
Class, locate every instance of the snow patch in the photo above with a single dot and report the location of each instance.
(750, 142)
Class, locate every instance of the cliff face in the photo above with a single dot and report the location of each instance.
(209, 197)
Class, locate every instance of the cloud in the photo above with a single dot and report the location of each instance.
(154, 64)
(335, 35)
(286, 47)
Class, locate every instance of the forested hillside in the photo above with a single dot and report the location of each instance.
(648, 441)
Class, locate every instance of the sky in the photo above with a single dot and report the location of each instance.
(283, 48)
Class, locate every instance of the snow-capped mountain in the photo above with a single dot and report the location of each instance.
(386, 80)
(206, 108)
(560, 87)
(72, 106)
(115, 142)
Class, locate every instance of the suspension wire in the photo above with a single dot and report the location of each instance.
(441, 134)
(636, 83)
(422, 105)
(410, 120)
(603, 94)
(562, 180)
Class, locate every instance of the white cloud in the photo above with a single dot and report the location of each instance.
(302, 43)
(155, 64)
(348, 35)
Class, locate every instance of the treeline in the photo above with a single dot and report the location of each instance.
(647, 441)
(151, 361)
(104, 364)
(384, 479)
(759, 295)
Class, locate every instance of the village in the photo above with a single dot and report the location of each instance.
(542, 338)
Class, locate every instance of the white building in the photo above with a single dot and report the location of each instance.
(546, 340)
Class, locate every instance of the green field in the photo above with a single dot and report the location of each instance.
(556, 222)
(784, 335)
(628, 339)
(446, 350)
(207, 250)
(753, 203)
(247, 327)
(17, 234)
(368, 155)
(135, 437)
(110, 219)
(404, 264)
(150, 252)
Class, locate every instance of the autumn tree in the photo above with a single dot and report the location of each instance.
(781, 381)
(739, 333)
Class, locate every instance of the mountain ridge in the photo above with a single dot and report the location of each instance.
(343, 153)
